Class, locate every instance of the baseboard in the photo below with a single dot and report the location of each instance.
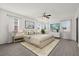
(5, 43)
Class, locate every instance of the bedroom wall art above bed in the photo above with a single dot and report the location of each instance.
(29, 24)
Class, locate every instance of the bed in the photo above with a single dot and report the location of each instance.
(39, 40)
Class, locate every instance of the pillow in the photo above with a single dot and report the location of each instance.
(29, 31)
(25, 32)
(37, 31)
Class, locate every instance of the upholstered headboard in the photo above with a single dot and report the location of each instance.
(32, 31)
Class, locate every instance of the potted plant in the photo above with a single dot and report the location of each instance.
(42, 31)
(57, 30)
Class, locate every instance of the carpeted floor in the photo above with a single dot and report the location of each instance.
(64, 48)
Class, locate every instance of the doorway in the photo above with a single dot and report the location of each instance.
(77, 29)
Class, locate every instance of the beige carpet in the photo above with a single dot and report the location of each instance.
(41, 52)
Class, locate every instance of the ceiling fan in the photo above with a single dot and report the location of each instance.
(46, 15)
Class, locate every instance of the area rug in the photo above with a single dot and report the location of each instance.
(41, 52)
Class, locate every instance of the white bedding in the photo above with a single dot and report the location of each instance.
(40, 40)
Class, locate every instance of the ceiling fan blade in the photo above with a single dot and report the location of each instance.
(48, 15)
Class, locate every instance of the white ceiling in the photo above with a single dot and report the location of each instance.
(35, 10)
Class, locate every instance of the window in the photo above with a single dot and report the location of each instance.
(65, 25)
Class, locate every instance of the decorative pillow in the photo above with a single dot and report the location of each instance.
(29, 31)
(25, 32)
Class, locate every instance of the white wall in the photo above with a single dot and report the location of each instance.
(66, 34)
(7, 24)
(4, 36)
(74, 29)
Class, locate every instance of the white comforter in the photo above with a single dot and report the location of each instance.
(40, 40)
